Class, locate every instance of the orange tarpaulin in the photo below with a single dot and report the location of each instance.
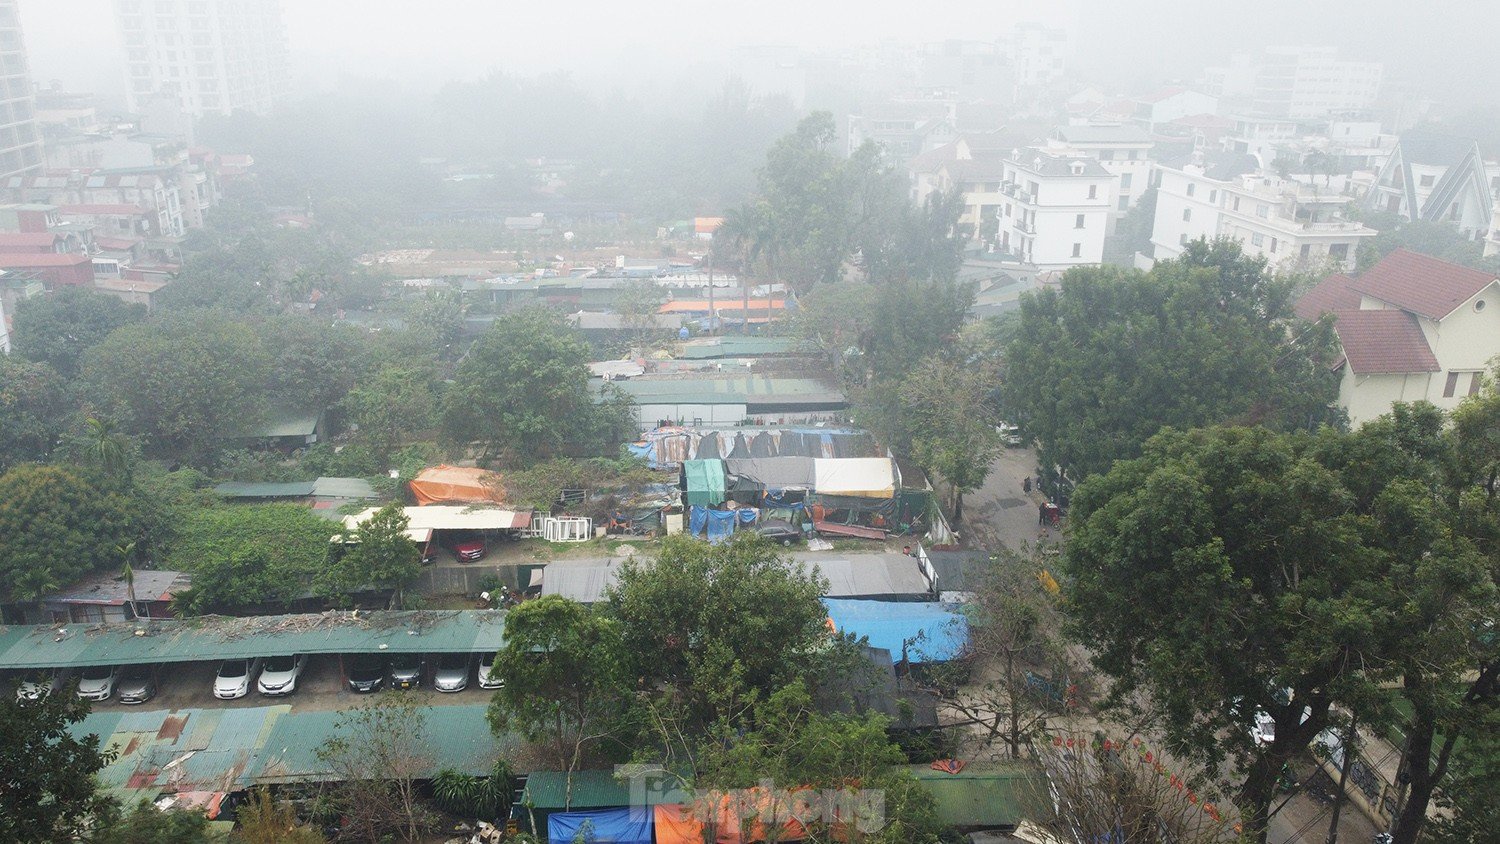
(677, 823)
(440, 484)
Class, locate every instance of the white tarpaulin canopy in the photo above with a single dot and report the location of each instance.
(871, 576)
(581, 582)
(450, 517)
(861, 477)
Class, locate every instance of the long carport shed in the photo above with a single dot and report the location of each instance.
(213, 638)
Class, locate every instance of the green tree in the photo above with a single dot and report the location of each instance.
(718, 624)
(438, 318)
(247, 556)
(1101, 365)
(33, 405)
(565, 685)
(391, 404)
(184, 383)
(377, 754)
(1232, 570)
(1429, 237)
(312, 363)
(522, 393)
(57, 525)
(146, 824)
(638, 305)
(59, 328)
(50, 791)
(378, 555)
(950, 424)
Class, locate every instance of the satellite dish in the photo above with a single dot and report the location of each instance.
(567, 235)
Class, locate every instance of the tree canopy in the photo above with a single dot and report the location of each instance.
(523, 393)
(59, 328)
(249, 555)
(1113, 356)
(34, 405)
(49, 790)
(57, 525)
(379, 555)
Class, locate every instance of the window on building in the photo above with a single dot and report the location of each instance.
(1077, 250)
(1078, 222)
(1125, 181)
(1182, 239)
(1262, 210)
(1191, 189)
(1035, 190)
(1093, 191)
(1453, 212)
(1213, 197)
(1427, 180)
(1187, 215)
(1475, 382)
(1124, 203)
(1452, 386)
(1338, 251)
(1236, 203)
(1273, 244)
(1258, 239)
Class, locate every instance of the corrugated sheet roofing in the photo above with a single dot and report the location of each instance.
(241, 489)
(221, 637)
(747, 390)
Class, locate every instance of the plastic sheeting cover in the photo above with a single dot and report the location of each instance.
(705, 481)
(941, 631)
(616, 826)
(438, 484)
(858, 477)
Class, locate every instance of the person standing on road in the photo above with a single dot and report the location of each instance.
(1026, 485)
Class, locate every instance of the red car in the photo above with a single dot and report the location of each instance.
(466, 546)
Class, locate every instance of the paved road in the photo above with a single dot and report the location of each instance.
(1000, 513)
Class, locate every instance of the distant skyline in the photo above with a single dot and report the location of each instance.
(1443, 46)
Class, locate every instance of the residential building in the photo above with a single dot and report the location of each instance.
(212, 56)
(1296, 82)
(966, 70)
(1038, 56)
(62, 114)
(52, 269)
(1171, 104)
(169, 158)
(1124, 151)
(126, 202)
(903, 128)
(1413, 328)
(1055, 210)
(110, 597)
(1260, 136)
(1291, 224)
(1438, 178)
(4, 330)
(974, 166)
(20, 141)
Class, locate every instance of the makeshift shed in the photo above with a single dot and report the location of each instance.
(981, 797)
(916, 631)
(448, 484)
(771, 474)
(630, 825)
(703, 480)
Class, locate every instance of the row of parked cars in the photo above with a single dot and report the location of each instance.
(274, 676)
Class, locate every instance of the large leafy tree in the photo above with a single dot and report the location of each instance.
(184, 383)
(949, 424)
(33, 407)
(312, 363)
(247, 556)
(523, 393)
(59, 328)
(391, 404)
(565, 683)
(47, 789)
(379, 555)
(1100, 365)
(56, 525)
(1232, 570)
(718, 624)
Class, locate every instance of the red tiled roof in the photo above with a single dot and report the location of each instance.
(28, 238)
(106, 209)
(1163, 94)
(1422, 284)
(1384, 342)
(117, 243)
(26, 260)
(1331, 294)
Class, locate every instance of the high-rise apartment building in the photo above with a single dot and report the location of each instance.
(20, 143)
(1296, 82)
(212, 56)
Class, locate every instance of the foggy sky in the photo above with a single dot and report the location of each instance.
(1445, 47)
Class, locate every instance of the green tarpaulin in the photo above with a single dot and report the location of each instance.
(705, 481)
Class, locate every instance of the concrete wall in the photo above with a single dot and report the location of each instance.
(464, 580)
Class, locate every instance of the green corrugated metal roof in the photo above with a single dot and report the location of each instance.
(220, 637)
(343, 488)
(988, 796)
(231, 749)
(745, 390)
(546, 790)
(239, 489)
(734, 346)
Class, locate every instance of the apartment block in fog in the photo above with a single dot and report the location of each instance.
(20, 143)
(213, 56)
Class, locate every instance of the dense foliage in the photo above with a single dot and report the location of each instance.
(34, 404)
(57, 329)
(58, 524)
(47, 785)
(248, 556)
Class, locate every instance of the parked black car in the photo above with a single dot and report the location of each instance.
(779, 530)
(366, 673)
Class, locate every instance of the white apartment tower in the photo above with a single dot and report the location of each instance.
(1297, 82)
(20, 143)
(213, 56)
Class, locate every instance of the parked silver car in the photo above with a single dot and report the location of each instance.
(487, 665)
(136, 684)
(452, 673)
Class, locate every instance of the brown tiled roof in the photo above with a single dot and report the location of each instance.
(1331, 294)
(1422, 284)
(1384, 342)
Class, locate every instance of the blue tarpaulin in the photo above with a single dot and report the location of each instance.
(616, 826)
(939, 630)
(720, 525)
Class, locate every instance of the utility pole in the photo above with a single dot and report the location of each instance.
(745, 304)
(711, 314)
(1350, 754)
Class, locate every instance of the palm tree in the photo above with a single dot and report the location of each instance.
(749, 232)
(126, 551)
(106, 446)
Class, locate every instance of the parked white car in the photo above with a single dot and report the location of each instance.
(98, 682)
(279, 677)
(233, 678)
(486, 665)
